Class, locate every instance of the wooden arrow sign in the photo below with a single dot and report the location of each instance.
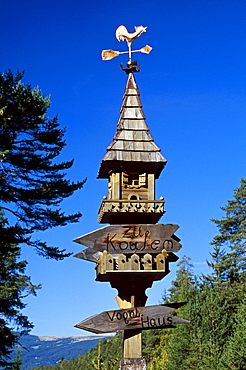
(149, 317)
(89, 254)
(128, 239)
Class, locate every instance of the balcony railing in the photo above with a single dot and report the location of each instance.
(130, 206)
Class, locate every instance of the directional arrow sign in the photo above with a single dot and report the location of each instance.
(89, 254)
(128, 239)
(150, 317)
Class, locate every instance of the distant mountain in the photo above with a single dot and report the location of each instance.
(46, 351)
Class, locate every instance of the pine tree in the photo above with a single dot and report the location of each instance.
(218, 274)
(234, 356)
(223, 290)
(159, 353)
(14, 285)
(232, 236)
(183, 289)
(215, 339)
(17, 364)
(32, 187)
(185, 281)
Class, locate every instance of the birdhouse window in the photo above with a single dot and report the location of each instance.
(134, 180)
(142, 179)
(125, 178)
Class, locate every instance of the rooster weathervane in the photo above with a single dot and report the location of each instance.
(121, 35)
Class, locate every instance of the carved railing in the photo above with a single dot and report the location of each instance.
(131, 206)
(134, 263)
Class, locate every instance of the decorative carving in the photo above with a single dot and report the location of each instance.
(160, 260)
(124, 205)
(126, 263)
(147, 261)
(135, 262)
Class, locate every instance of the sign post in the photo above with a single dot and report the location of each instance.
(134, 250)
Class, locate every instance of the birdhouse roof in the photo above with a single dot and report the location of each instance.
(133, 147)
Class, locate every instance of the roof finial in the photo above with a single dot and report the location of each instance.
(121, 35)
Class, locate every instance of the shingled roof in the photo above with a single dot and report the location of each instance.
(133, 147)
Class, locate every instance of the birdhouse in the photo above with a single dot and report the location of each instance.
(131, 165)
(133, 251)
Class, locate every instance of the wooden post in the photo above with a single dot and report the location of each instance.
(132, 343)
(115, 178)
(132, 339)
(151, 186)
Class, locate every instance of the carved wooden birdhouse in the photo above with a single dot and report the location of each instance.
(132, 164)
(133, 251)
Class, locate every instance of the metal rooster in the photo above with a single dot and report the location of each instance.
(122, 34)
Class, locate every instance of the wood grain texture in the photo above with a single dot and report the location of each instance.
(141, 318)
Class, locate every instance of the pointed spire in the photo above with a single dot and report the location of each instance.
(133, 146)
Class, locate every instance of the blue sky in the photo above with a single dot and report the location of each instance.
(193, 90)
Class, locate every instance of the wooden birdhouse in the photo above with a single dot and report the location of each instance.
(132, 164)
(133, 251)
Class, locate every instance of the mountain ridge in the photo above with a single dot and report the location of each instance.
(49, 350)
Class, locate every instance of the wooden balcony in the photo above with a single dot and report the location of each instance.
(125, 211)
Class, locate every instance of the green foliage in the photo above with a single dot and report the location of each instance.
(17, 363)
(32, 188)
(215, 337)
(14, 285)
(150, 340)
(184, 283)
(234, 356)
(107, 354)
(158, 354)
(232, 236)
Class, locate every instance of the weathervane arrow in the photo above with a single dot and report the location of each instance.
(110, 54)
(121, 35)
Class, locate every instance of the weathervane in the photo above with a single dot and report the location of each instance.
(121, 35)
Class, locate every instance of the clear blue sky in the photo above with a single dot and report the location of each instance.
(193, 90)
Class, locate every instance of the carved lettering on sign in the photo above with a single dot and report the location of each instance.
(134, 232)
(146, 322)
(125, 315)
(150, 322)
(140, 241)
(129, 239)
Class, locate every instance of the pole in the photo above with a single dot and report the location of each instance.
(130, 51)
(132, 347)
